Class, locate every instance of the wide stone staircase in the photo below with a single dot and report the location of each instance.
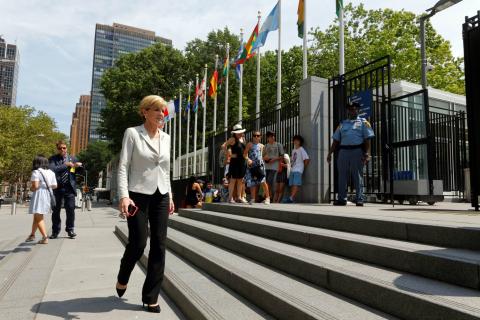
(279, 262)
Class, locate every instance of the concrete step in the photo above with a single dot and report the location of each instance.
(456, 266)
(281, 295)
(400, 294)
(437, 233)
(198, 295)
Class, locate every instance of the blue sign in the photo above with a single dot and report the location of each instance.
(364, 98)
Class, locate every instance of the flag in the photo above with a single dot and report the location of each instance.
(339, 5)
(166, 116)
(247, 50)
(225, 68)
(212, 91)
(195, 103)
(176, 104)
(270, 24)
(202, 93)
(188, 103)
(301, 15)
(237, 66)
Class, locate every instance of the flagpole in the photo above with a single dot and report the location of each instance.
(195, 127)
(305, 47)
(240, 93)
(188, 131)
(226, 91)
(342, 41)
(257, 104)
(180, 135)
(279, 56)
(173, 141)
(215, 101)
(204, 119)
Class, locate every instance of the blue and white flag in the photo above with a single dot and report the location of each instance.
(271, 24)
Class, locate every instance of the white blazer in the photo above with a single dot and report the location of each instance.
(141, 168)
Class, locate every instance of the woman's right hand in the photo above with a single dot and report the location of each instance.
(123, 205)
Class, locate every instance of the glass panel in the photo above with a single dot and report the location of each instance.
(408, 119)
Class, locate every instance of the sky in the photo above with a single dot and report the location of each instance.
(55, 37)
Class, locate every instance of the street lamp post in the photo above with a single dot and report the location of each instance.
(439, 6)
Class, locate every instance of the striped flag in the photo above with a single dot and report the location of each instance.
(188, 104)
(195, 103)
(247, 50)
(301, 17)
(272, 23)
(212, 91)
(202, 93)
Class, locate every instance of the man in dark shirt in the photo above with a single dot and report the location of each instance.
(65, 168)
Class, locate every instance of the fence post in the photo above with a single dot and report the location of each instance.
(313, 124)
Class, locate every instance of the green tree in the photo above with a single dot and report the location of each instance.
(95, 159)
(158, 69)
(24, 133)
(371, 34)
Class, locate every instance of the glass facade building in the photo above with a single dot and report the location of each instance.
(9, 61)
(110, 43)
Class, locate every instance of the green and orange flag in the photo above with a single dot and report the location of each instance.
(301, 17)
(212, 91)
(247, 50)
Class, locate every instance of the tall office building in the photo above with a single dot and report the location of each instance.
(79, 128)
(9, 61)
(110, 43)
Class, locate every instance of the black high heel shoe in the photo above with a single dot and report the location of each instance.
(120, 292)
(154, 309)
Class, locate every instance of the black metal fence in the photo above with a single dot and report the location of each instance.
(450, 148)
(373, 79)
(471, 42)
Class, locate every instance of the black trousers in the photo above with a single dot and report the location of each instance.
(153, 209)
(66, 196)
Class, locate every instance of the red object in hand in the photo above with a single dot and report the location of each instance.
(132, 210)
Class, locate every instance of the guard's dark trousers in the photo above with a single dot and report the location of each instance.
(66, 197)
(153, 209)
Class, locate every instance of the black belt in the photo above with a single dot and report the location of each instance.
(356, 146)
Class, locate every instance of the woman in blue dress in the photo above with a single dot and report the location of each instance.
(43, 181)
(255, 175)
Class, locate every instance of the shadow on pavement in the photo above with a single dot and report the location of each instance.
(67, 309)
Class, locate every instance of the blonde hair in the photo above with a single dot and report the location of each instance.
(151, 101)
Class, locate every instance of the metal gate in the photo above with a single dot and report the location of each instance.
(370, 83)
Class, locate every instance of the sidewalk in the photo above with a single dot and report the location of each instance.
(68, 279)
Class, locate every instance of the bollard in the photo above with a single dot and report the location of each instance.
(89, 204)
(14, 208)
(83, 204)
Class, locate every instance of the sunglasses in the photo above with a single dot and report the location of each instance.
(62, 148)
(257, 135)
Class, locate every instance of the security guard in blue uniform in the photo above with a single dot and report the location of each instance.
(352, 140)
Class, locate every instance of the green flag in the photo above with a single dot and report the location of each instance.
(339, 4)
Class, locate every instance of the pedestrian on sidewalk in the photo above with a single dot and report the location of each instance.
(300, 160)
(352, 141)
(65, 167)
(43, 181)
(272, 154)
(255, 175)
(237, 167)
(145, 197)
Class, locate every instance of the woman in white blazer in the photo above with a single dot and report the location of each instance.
(144, 182)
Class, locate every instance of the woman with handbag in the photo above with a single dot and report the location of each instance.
(145, 197)
(255, 175)
(43, 181)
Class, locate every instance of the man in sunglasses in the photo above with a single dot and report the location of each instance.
(65, 168)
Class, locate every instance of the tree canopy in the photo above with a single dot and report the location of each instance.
(24, 133)
(95, 159)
